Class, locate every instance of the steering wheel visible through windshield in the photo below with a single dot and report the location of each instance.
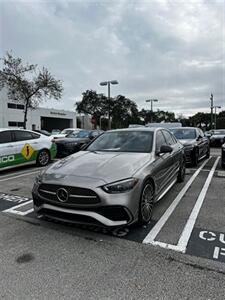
(123, 141)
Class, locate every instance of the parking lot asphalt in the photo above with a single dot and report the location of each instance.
(180, 254)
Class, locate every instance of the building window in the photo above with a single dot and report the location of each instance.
(15, 124)
(15, 106)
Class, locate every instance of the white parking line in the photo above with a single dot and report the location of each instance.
(150, 238)
(185, 236)
(18, 176)
(13, 210)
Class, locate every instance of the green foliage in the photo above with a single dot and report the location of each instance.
(124, 111)
(28, 85)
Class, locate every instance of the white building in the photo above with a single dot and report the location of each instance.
(12, 115)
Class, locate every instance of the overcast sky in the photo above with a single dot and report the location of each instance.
(170, 50)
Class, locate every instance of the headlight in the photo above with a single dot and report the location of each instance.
(38, 178)
(188, 147)
(120, 186)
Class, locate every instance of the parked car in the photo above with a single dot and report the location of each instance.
(115, 181)
(209, 133)
(64, 133)
(218, 137)
(223, 156)
(45, 132)
(196, 145)
(74, 141)
(19, 147)
(55, 131)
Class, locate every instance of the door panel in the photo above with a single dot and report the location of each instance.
(7, 149)
(163, 165)
(24, 145)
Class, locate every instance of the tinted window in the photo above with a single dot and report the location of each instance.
(15, 106)
(23, 135)
(160, 140)
(168, 137)
(123, 141)
(94, 133)
(5, 137)
(79, 134)
(200, 132)
(35, 135)
(184, 134)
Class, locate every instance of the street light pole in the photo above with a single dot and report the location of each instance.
(211, 98)
(215, 114)
(152, 100)
(108, 84)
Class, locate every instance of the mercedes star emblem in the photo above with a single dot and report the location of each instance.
(62, 195)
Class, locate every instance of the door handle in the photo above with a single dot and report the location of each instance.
(10, 146)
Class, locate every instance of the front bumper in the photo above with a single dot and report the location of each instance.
(93, 207)
(189, 153)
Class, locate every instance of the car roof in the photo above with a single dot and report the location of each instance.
(179, 128)
(17, 129)
(151, 129)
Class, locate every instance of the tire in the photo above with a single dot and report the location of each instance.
(195, 158)
(208, 153)
(181, 172)
(43, 158)
(146, 203)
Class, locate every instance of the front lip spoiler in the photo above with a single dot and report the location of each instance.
(94, 215)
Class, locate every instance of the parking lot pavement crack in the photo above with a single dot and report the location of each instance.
(171, 259)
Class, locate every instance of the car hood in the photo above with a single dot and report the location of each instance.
(187, 142)
(105, 166)
(218, 136)
(58, 136)
(71, 140)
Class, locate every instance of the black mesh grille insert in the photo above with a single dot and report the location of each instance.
(87, 196)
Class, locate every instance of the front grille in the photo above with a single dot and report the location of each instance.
(76, 195)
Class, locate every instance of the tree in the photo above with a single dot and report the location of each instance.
(201, 120)
(123, 112)
(27, 85)
(93, 104)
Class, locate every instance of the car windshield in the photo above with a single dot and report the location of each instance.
(79, 134)
(66, 131)
(123, 141)
(184, 134)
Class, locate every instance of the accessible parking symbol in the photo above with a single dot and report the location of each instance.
(208, 244)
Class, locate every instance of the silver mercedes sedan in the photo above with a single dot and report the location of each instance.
(114, 181)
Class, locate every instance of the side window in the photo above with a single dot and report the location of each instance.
(160, 140)
(22, 135)
(35, 135)
(169, 138)
(201, 132)
(5, 137)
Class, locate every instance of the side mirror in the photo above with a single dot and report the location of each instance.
(165, 149)
(199, 138)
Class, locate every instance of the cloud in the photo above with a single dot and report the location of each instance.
(170, 50)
